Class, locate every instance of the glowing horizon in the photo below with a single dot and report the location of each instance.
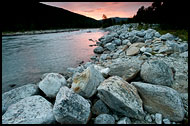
(97, 9)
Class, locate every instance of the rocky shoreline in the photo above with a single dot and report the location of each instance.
(135, 77)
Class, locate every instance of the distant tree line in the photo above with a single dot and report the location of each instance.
(168, 14)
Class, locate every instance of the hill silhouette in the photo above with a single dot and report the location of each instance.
(37, 16)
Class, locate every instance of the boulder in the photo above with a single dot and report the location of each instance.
(51, 84)
(71, 108)
(124, 120)
(148, 118)
(121, 97)
(157, 72)
(161, 99)
(99, 50)
(86, 83)
(15, 95)
(30, 110)
(167, 36)
(137, 44)
(99, 108)
(165, 49)
(104, 119)
(131, 51)
(183, 47)
(127, 69)
(110, 46)
(157, 34)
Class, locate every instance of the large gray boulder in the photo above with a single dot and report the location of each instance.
(51, 84)
(157, 72)
(104, 119)
(117, 42)
(121, 97)
(15, 95)
(100, 108)
(71, 108)
(127, 70)
(87, 82)
(161, 99)
(99, 50)
(124, 120)
(30, 110)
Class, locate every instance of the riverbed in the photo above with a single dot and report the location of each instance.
(26, 57)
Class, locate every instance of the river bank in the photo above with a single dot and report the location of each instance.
(135, 77)
(39, 32)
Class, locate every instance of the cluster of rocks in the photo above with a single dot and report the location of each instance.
(135, 77)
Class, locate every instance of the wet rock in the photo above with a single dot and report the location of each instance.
(121, 97)
(137, 44)
(110, 46)
(127, 70)
(71, 108)
(99, 108)
(161, 99)
(158, 118)
(30, 110)
(51, 84)
(99, 50)
(157, 72)
(124, 120)
(103, 56)
(104, 71)
(165, 50)
(104, 119)
(15, 95)
(86, 83)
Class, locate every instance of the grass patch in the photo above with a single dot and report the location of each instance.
(181, 33)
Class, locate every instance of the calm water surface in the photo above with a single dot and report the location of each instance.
(26, 57)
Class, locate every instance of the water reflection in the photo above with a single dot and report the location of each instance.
(25, 58)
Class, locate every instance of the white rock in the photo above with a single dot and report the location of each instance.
(158, 118)
(30, 110)
(124, 120)
(71, 108)
(15, 95)
(121, 97)
(51, 84)
(166, 121)
(168, 100)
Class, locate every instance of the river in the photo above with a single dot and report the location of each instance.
(26, 57)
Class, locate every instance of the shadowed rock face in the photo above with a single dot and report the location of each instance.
(121, 97)
(157, 72)
(87, 82)
(161, 99)
(71, 108)
(30, 110)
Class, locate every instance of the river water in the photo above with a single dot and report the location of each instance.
(26, 57)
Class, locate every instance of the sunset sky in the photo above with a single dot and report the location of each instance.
(97, 9)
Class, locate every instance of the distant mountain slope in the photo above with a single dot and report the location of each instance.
(37, 16)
